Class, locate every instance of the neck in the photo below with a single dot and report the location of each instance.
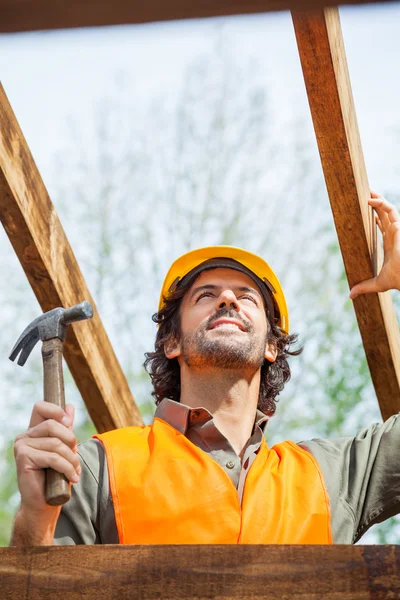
(231, 398)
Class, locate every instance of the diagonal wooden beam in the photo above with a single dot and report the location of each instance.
(28, 15)
(40, 243)
(323, 59)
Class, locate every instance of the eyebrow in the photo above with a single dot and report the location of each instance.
(214, 287)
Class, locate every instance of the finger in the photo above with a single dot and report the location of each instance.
(51, 460)
(379, 223)
(53, 445)
(364, 287)
(383, 207)
(70, 412)
(53, 429)
(46, 410)
(383, 216)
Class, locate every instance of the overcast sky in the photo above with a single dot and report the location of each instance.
(49, 76)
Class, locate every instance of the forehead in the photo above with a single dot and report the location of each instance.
(224, 277)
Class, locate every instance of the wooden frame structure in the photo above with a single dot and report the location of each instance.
(36, 234)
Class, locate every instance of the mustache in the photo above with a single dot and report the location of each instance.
(228, 314)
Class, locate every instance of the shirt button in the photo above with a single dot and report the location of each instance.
(230, 464)
(194, 416)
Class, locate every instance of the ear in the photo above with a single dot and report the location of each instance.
(172, 348)
(270, 352)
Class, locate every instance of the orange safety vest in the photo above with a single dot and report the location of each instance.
(165, 490)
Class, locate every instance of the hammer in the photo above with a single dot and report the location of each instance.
(51, 329)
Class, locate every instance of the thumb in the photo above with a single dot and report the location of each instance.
(364, 287)
(70, 410)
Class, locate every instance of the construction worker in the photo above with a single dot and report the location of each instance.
(203, 472)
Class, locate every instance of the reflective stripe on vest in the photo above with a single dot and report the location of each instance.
(165, 490)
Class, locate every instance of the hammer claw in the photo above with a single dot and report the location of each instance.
(24, 345)
(27, 349)
(15, 351)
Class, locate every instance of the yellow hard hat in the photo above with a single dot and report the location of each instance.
(257, 266)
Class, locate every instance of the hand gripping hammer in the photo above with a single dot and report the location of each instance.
(51, 329)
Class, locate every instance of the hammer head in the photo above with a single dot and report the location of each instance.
(52, 324)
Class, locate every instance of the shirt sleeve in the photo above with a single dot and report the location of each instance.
(88, 517)
(362, 477)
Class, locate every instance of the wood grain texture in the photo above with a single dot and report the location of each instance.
(27, 15)
(323, 59)
(218, 572)
(40, 243)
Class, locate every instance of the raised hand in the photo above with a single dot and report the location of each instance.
(388, 220)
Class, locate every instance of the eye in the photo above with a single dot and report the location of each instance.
(251, 298)
(203, 295)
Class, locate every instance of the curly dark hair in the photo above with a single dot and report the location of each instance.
(165, 373)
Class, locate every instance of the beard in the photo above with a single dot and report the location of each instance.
(226, 349)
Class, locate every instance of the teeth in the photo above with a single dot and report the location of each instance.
(228, 326)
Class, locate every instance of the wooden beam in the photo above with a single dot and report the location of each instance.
(223, 572)
(323, 59)
(28, 15)
(40, 243)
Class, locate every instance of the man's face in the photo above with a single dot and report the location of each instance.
(223, 323)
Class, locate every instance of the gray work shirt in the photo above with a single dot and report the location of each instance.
(361, 474)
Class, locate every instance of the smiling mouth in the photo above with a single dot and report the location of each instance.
(230, 325)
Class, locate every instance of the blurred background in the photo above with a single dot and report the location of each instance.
(156, 139)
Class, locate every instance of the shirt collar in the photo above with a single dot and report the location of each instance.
(261, 420)
(181, 416)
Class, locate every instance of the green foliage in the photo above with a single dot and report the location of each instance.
(8, 493)
(387, 532)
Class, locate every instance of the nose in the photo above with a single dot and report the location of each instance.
(228, 299)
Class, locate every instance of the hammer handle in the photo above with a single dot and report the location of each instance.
(58, 488)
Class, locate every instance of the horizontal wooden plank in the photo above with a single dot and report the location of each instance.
(218, 572)
(40, 243)
(27, 15)
(323, 59)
